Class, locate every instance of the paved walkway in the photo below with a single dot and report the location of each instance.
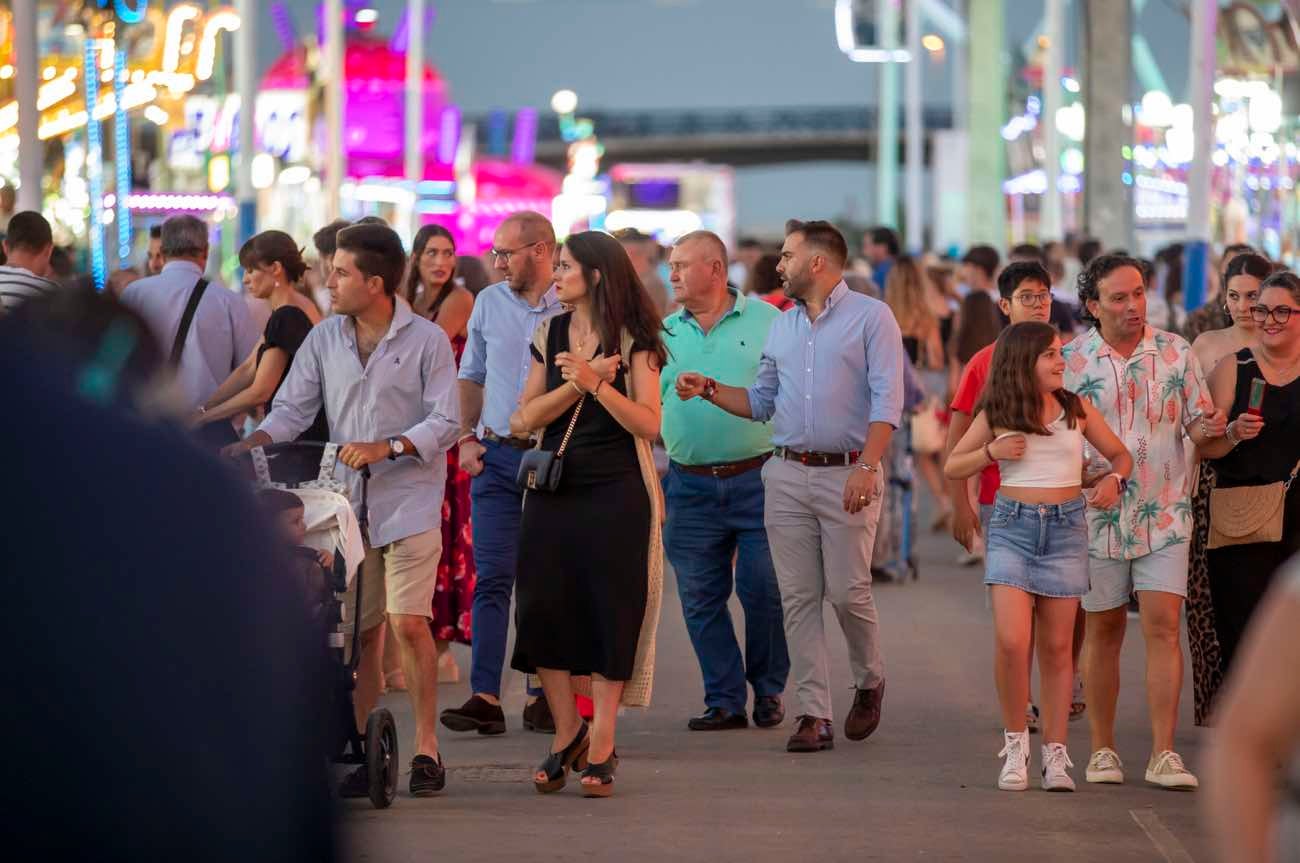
(923, 787)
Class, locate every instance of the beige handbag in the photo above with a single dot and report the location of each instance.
(1248, 513)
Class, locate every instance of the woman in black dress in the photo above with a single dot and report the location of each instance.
(586, 590)
(1257, 451)
(273, 265)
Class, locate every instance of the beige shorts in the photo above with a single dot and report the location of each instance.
(398, 578)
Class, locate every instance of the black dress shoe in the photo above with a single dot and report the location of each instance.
(537, 717)
(475, 715)
(428, 777)
(768, 711)
(717, 719)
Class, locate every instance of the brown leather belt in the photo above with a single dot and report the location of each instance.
(726, 470)
(512, 442)
(818, 459)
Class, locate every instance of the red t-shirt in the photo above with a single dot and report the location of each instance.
(969, 390)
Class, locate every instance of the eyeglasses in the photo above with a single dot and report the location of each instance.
(1281, 314)
(504, 254)
(1031, 301)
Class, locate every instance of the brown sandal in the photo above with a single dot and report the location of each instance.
(558, 764)
(605, 773)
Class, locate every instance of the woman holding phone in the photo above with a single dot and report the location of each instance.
(1260, 391)
(1037, 557)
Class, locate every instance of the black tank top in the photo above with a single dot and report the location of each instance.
(1272, 456)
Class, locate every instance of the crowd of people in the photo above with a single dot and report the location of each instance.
(1097, 459)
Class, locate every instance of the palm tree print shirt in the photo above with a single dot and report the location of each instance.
(1148, 399)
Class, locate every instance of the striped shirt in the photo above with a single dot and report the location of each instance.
(17, 286)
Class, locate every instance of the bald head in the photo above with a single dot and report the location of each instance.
(532, 227)
(698, 272)
(711, 245)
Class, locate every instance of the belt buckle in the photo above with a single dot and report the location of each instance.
(716, 470)
(803, 459)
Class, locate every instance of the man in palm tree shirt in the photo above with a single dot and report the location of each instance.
(1149, 387)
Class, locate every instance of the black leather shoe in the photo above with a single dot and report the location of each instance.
(537, 717)
(428, 777)
(769, 712)
(475, 715)
(717, 719)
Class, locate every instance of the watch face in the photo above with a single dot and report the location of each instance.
(396, 446)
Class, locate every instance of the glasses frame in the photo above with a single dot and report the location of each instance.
(1260, 314)
(1043, 299)
(498, 254)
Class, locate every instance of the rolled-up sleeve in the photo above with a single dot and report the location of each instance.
(301, 395)
(473, 360)
(437, 432)
(884, 346)
(762, 394)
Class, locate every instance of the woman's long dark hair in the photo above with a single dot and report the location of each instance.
(618, 299)
(411, 288)
(273, 247)
(978, 328)
(1012, 399)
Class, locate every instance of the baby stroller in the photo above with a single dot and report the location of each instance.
(332, 526)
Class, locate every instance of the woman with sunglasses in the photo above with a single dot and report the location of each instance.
(1259, 448)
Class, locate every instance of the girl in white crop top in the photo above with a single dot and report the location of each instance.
(1037, 541)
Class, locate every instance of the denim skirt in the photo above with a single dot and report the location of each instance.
(1038, 548)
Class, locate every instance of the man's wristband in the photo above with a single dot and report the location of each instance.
(710, 389)
(471, 436)
(870, 468)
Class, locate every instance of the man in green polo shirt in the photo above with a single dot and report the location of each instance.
(714, 491)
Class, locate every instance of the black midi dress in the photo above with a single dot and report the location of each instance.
(580, 587)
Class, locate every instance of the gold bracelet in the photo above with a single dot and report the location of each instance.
(579, 390)
(596, 392)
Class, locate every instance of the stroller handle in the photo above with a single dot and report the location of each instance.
(363, 510)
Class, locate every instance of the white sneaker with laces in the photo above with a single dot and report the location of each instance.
(1168, 771)
(1015, 770)
(1104, 766)
(1055, 762)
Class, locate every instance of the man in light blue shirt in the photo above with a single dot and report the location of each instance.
(387, 381)
(714, 491)
(831, 380)
(493, 368)
(222, 334)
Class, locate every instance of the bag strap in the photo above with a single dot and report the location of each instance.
(1294, 472)
(183, 331)
(573, 421)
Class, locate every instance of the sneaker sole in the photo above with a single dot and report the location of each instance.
(427, 792)
(821, 747)
(1154, 780)
(465, 723)
(1057, 788)
(1019, 786)
(1105, 778)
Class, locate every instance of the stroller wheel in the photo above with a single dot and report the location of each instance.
(381, 757)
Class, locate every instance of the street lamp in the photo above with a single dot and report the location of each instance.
(564, 102)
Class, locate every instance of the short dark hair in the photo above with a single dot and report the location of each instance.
(29, 231)
(1027, 252)
(378, 252)
(823, 235)
(326, 239)
(270, 247)
(1097, 270)
(155, 232)
(1018, 272)
(1089, 249)
(887, 237)
(983, 256)
(373, 220)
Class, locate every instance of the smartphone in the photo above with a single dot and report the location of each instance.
(1256, 403)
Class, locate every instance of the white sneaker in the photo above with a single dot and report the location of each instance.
(1167, 771)
(1055, 762)
(1104, 766)
(1015, 770)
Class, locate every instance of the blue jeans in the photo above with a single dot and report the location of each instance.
(710, 521)
(496, 504)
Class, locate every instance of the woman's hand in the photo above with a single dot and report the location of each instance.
(607, 367)
(1009, 447)
(196, 418)
(577, 371)
(1246, 427)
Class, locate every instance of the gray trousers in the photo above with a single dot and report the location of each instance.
(822, 553)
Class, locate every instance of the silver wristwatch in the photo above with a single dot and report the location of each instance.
(395, 448)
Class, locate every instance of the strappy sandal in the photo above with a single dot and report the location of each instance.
(605, 773)
(558, 764)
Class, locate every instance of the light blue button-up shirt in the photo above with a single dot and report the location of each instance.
(221, 336)
(408, 387)
(823, 382)
(496, 353)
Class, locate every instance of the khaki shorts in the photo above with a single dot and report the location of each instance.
(398, 578)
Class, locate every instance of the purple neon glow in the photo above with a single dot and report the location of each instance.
(524, 145)
(402, 33)
(282, 19)
(448, 134)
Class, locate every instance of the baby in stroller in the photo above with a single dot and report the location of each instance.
(309, 565)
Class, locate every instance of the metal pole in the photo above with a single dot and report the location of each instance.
(30, 152)
(915, 133)
(414, 102)
(246, 86)
(1196, 253)
(1049, 220)
(887, 119)
(335, 84)
(987, 209)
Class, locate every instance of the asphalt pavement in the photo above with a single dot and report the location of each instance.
(923, 787)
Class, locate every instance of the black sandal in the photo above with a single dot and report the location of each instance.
(557, 764)
(605, 773)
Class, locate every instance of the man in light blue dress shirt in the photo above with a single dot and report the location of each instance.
(831, 382)
(387, 381)
(493, 368)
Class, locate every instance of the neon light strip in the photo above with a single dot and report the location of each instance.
(122, 159)
(524, 145)
(448, 134)
(192, 203)
(95, 172)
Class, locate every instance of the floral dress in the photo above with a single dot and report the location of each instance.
(453, 597)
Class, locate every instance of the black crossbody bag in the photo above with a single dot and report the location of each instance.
(539, 469)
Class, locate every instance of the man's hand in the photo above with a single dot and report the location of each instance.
(965, 525)
(689, 385)
(1105, 494)
(471, 457)
(358, 455)
(863, 487)
(606, 368)
(1214, 424)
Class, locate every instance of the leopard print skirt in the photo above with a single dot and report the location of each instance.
(1203, 641)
